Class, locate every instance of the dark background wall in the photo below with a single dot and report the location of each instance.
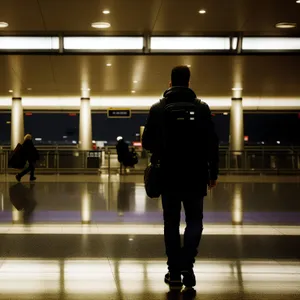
(266, 127)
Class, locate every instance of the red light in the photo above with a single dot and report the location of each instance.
(246, 138)
(137, 144)
(28, 114)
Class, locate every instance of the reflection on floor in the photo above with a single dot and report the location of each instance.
(135, 278)
(102, 238)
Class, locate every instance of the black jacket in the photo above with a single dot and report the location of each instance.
(30, 152)
(153, 138)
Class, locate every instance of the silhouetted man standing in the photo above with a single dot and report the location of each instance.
(180, 135)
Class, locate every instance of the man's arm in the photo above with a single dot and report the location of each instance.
(150, 137)
(213, 147)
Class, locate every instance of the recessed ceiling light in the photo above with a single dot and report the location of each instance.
(3, 24)
(100, 25)
(133, 92)
(202, 11)
(10, 91)
(298, 1)
(237, 89)
(108, 65)
(106, 12)
(286, 25)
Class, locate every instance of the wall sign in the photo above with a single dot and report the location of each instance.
(119, 113)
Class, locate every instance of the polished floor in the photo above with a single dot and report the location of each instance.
(90, 237)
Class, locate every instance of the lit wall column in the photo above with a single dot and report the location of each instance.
(17, 122)
(86, 205)
(142, 129)
(85, 125)
(237, 205)
(16, 216)
(237, 130)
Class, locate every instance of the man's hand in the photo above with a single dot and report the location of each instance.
(212, 184)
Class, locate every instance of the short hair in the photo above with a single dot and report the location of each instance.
(27, 137)
(181, 76)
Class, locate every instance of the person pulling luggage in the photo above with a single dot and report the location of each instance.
(31, 155)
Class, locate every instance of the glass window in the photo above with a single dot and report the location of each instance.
(108, 129)
(273, 129)
(52, 128)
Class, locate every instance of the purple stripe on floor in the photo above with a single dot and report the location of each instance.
(287, 218)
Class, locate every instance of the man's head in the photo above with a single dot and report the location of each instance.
(181, 76)
(27, 137)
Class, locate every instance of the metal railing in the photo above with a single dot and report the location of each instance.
(254, 160)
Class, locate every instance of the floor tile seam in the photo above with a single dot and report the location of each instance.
(111, 267)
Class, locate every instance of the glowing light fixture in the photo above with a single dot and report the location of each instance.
(29, 43)
(286, 25)
(106, 12)
(103, 43)
(100, 25)
(3, 24)
(202, 11)
(237, 89)
(29, 89)
(108, 65)
(190, 43)
(278, 43)
(85, 89)
(135, 81)
(10, 91)
(133, 92)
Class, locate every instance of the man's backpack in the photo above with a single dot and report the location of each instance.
(183, 129)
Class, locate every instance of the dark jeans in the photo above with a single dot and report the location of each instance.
(30, 168)
(182, 258)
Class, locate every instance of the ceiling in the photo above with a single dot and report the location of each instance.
(212, 75)
(149, 16)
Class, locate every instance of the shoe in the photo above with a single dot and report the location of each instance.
(173, 280)
(32, 178)
(18, 177)
(189, 278)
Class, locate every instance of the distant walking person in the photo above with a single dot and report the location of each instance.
(180, 135)
(31, 155)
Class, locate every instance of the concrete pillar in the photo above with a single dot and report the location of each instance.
(85, 125)
(237, 125)
(17, 122)
(236, 133)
